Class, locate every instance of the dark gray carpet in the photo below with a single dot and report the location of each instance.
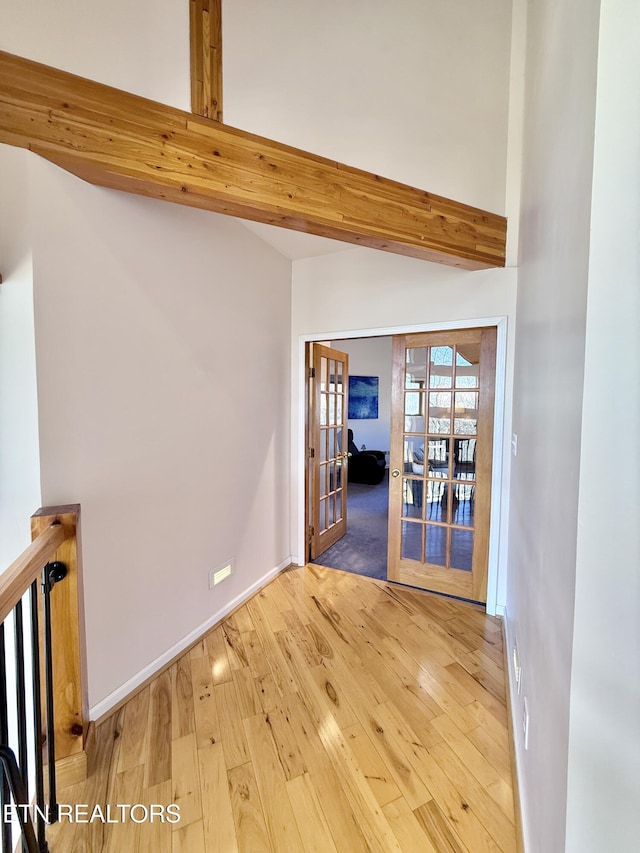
(363, 549)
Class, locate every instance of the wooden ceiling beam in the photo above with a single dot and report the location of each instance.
(119, 140)
(205, 26)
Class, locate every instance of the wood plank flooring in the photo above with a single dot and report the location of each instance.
(330, 713)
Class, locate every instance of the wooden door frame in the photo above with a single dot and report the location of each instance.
(300, 433)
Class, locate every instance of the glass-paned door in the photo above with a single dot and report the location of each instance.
(328, 448)
(441, 451)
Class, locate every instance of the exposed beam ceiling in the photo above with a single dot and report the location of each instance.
(119, 140)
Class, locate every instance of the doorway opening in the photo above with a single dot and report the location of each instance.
(414, 488)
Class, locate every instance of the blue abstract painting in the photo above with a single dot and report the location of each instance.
(363, 397)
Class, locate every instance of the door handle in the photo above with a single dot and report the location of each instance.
(395, 472)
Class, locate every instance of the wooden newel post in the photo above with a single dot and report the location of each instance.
(68, 634)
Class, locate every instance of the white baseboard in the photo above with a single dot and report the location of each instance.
(501, 609)
(103, 707)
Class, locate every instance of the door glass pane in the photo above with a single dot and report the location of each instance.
(416, 367)
(412, 540)
(440, 412)
(331, 435)
(436, 500)
(331, 477)
(438, 450)
(441, 367)
(414, 455)
(436, 545)
(468, 366)
(323, 409)
(332, 408)
(323, 445)
(461, 549)
(414, 403)
(463, 504)
(412, 498)
(338, 484)
(466, 413)
(323, 374)
(464, 459)
(338, 445)
(339, 506)
(339, 380)
(339, 399)
(332, 375)
(323, 514)
(323, 480)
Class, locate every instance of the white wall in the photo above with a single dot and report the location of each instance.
(393, 88)
(142, 47)
(604, 730)
(19, 456)
(19, 451)
(336, 296)
(548, 383)
(371, 357)
(163, 378)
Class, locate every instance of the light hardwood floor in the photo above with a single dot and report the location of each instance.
(331, 712)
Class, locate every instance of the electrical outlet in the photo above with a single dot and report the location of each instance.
(514, 443)
(220, 574)
(525, 723)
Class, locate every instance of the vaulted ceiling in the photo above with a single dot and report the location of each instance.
(119, 140)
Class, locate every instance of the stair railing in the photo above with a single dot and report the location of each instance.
(28, 687)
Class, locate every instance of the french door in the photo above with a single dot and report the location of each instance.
(328, 448)
(441, 450)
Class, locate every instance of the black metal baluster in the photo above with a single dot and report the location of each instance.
(21, 700)
(53, 573)
(21, 703)
(37, 718)
(20, 797)
(48, 675)
(4, 739)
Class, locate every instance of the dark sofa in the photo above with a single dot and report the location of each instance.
(365, 466)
